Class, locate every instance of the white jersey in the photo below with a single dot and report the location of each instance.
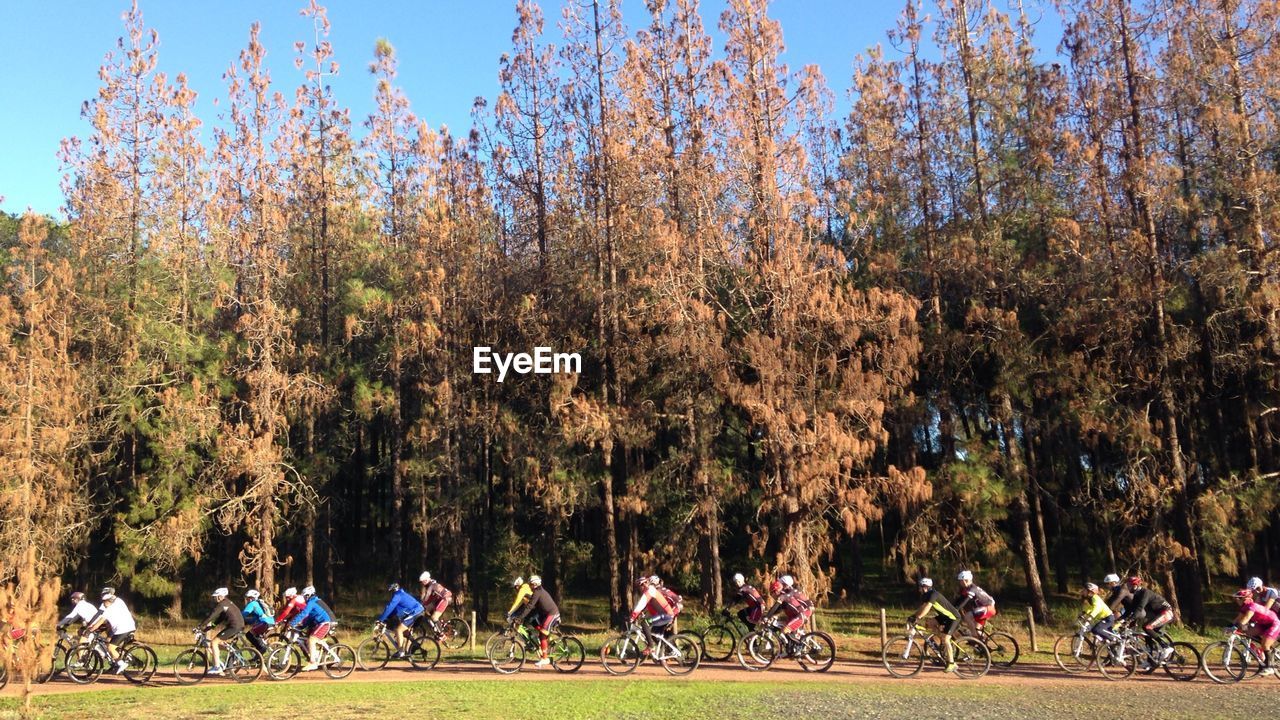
(82, 613)
(118, 618)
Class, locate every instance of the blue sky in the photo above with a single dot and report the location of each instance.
(50, 51)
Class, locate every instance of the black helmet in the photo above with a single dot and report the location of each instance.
(393, 587)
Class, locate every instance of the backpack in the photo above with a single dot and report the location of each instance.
(673, 598)
(798, 601)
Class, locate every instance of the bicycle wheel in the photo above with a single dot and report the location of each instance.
(84, 664)
(339, 662)
(817, 652)
(244, 665)
(57, 665)
(621, 654)
(972, 658)
(1183, 663)
(455, 633)
(718, 643)
(284, 662)
(567, 653)
(1223, 662)
(4, 675)
(140, 663)
(683, 656)
(506, 654)
(374, 653)
(903, 656)
(1112, 667)
(423, 653)
(757, 650)
(1148, 657)
(1075, 653)
(191, 666)
(492, 642)
(1003, 649)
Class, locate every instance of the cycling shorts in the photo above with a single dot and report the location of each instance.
(121, 638)
(982, 614)
(440, 606)
(321, 631)
(228, 633)
(405, 620)
(1160, 620)
(545, 624)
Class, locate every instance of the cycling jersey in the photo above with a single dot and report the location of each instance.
(1265, 595)
(291, 608)
(541, 605)
(939, 604)
(228, 615)
(83, 613)
(255, 613)
(435, 597)
(401, 606)
(1266, 623)
(795, 605)
(522, 594)
(973, 597)
(1119, 598)
(118, 618)
(1147, 602)
(1095, 609)
(653, 600)
(313, 614)
(673, 599)
(754, 602)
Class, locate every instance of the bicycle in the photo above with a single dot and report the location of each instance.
(1237, 657)
(86, 664)
(720, 639)
(815, 651)
(905, 655)
(1077, 652)
(506, 650)
(287, 660)
(452, 634)
(622, 653)
(1180, 660)
(375, 652)
(1002, 646)
(241, 664)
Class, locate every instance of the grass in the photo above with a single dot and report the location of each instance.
(645, 698)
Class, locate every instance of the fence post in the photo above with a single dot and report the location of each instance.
(473, 631)
(1031, 623)
(884, 629)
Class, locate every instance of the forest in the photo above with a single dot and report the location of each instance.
(1016, 311)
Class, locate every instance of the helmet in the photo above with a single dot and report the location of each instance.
(655, 580)
(643, 582)
(965, 576)
(788, 580)
(308, 591)
(775, 587)
(1244, 594)
(1111, 578)
(108, 597)
(535, 580)
(393, 587)
(425, 577)
(108, 590)
(738, 580)
(77, 596)
(1255, 583)
(925, 583)
(1134, 580)
(290, 592)
(220, 593)
(252, 594)
(517, 582)
(1091, 587)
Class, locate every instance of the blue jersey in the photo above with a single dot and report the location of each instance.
(254, 614)
(402, 605)
(313, 614)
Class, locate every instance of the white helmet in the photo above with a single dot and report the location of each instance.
(654, 580)
(926, 583)
(788, 580)
(424, 577)
(308, 591)
(1090, 587)
(252, 594)
(220, 593)
(738, 580)
(1255, 583)
(1111, 578)
(517, 582)
(965, 576)
(290, 592)
(535, 580)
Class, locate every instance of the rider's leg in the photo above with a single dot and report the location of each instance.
(948, 628)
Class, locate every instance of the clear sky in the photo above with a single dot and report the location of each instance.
(50, 51)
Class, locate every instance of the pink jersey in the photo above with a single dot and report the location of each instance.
(1262, 617)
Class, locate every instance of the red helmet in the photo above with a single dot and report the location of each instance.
(1134, 580)
(1244, 594)
(775, 587)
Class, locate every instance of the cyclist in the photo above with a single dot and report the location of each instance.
(317, 620)
(1098, 616)
(230, 618)
(82, 612)
(309, 592)
(258, 618)
(976, 605)
(292, 604)
(661, 612)
(945, 617)
(401, 610)
(1150, 610)
(1263, 595)
(1265, 624)
(751, 599)
(545, 613)
(1118, 595)
(672, 596)
(435, 597)
(792, 602)
(114, 615)
(523, 591)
